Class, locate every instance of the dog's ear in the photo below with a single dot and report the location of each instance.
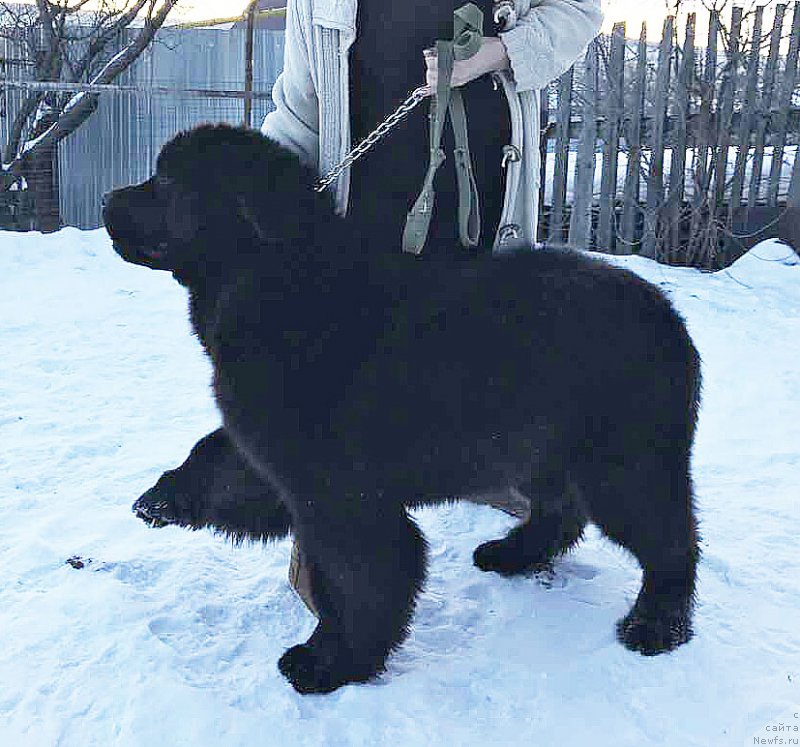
(274, 203)
(275, 220)
(248, 216)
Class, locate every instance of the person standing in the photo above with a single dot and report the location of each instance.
(348, 64)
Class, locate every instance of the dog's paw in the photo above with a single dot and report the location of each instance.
(506, 559)
(308, 671)
(164, 504)
(313, 667)
(651, 634)
(154, 511)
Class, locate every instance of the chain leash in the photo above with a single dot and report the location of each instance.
(505, 17)
(417, 95)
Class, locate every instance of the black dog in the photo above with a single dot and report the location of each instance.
(354, 380)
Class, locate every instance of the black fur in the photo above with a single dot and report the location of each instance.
(354, 380)
(216, 487)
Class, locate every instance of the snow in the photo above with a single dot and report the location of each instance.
(168, 637)
(691, 164)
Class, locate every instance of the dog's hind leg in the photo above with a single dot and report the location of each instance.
(647, 507)
(366, 560)
(556, 524)
(215, 487)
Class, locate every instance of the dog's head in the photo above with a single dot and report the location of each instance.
(217, 192)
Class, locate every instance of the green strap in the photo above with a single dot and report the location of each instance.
(469, 215)
(467, 36)
(467, 31)
(419, 217)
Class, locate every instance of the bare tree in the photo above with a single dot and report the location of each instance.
(63, 42)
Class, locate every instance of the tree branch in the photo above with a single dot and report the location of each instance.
(104, 36)
(80, 106)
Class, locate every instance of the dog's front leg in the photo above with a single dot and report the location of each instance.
(215, 487)
(366, 559)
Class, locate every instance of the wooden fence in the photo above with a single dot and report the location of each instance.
(661, 149)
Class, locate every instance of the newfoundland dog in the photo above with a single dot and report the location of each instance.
(354, 380)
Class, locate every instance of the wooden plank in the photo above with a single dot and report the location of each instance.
(784, 104)
(677, 168)
(655, 179)
(725, 107)
(793, 196)
(248, 62)
(702, 230)
(544, 120)
(633, 135)
(705, 141)
(765, 104)
(580, 225)
(748, 112)
(615, 88)
(556, 233)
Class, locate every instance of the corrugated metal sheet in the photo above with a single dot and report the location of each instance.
(120, 141)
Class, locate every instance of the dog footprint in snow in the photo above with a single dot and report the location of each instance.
(174, 630)
(578, 570)
(168, 630)
(565, 571)
(206, 651)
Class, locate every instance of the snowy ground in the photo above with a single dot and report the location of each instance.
(171, 638)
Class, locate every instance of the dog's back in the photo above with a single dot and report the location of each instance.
(466, 366)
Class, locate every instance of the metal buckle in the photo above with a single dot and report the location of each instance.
(510, 154)
(504, 15)
(509, 232)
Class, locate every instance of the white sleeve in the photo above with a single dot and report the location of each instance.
(294, 122)
(549, 38)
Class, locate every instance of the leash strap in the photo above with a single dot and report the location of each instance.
(469, 214)
(467, 36)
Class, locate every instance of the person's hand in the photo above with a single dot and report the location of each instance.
(491, 56)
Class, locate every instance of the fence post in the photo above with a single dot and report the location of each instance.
(556, 233)
(248, 63)
(655, 180)
(580, 224)
(725, 108)
(615, 75)
(705, 140)
(677, 165)
(544, 123)
(765, 105)
(793, 196)
(633, 139)
(747, 114)
(784, 104)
